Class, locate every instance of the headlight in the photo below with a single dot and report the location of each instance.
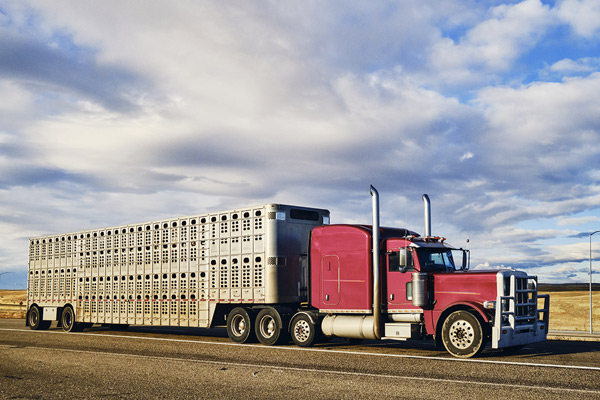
(490, 305)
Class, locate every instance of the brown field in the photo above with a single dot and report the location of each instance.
(569, 310)
(10, 306)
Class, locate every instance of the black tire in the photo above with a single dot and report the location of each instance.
(35, 319)
(118, 327)
(463, 335)
(68, 322)
(240, 325)
(303, 331)
(270, 327)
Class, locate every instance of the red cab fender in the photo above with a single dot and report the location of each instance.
(434, 325)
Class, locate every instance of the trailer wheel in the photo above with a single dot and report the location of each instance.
(462, 334)
(68, 321)
(240, 325)
(270, 327)
(34, 318)
(304, 331)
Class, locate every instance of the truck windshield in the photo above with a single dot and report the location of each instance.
(435, 259)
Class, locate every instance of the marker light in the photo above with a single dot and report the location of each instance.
(490, 305)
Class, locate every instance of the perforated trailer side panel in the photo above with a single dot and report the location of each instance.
(169, 272)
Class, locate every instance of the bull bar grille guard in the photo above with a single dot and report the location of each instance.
(517, 318)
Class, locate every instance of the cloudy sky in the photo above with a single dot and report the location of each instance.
(118, 112)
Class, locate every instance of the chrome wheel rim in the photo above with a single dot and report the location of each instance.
(238, 325)
(462, 334)
(267, 326)
(34, 317)
(302, 330)
(67, 319)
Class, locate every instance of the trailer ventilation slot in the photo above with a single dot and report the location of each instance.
(306, 215)
(278, 261)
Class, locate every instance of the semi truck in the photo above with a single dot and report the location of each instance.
(277, 272)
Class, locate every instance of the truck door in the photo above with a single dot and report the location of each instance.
(399, 267)
(330, 284)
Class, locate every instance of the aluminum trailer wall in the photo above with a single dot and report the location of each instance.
(175, 272)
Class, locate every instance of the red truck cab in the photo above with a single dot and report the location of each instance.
(424, 292)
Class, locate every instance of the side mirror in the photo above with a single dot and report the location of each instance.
(401, 260)
(465, 259)
(406, 260)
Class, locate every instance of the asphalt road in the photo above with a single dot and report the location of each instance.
(177, 363)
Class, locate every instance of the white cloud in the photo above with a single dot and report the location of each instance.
(577, 221)
(567, 269)
(567, 253)
(468, 155)
(492, 45)
(544, 134)
(20, 100)
(484, 267)
(582, 65)
(583, 15)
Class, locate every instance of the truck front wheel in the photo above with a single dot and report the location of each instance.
(462, 334)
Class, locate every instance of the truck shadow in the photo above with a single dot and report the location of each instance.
(425, 348)
(547, 348)
(167, 330)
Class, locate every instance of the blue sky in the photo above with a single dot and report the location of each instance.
(122, 112)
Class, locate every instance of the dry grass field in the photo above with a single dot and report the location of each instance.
(10, 303)
(569, 310)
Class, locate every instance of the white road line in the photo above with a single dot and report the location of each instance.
(294, 348)
(314, 370)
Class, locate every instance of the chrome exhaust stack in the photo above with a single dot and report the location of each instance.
(376, 267)
(427, 210)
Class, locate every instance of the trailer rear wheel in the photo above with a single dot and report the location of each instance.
(34, 318)
(304, 332)
(270, 329)
(68, 321)
(462, 334)
(239, 325)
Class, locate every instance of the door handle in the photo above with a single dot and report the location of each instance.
(391, 296)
